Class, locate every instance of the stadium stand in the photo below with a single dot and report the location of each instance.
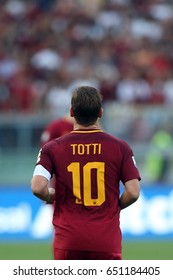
(123, 47)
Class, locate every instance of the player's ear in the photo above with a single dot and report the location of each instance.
(100, 113)
(71, 112)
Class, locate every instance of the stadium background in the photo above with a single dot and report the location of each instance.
(123, 47)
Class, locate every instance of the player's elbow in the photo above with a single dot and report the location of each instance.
(130, 194)
(34, 188)
(134, 197)
(135, 194)
(133, 189)
(38, 184)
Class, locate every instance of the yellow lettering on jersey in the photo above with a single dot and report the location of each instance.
(86, 149)
(73, 148)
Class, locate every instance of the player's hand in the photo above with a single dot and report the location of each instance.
(51, 196)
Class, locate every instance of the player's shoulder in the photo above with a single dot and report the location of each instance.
(56, 141)
(49, 145)
(113, 138)
(116, 140)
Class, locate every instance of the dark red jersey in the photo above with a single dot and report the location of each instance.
(56, 129)
(88, 166)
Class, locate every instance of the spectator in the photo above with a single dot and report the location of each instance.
(42, 38)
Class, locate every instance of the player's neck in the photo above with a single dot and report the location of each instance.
(77, 126)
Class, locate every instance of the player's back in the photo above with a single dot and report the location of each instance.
(89, 167)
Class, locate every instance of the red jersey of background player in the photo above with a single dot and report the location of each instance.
(88, 166)
(56, 129)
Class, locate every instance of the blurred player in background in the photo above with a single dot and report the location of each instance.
(56, 128)
(89, 165)
(53, 130)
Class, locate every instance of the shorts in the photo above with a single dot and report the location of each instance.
(85, 255)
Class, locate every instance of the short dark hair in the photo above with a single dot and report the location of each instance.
(86, 103)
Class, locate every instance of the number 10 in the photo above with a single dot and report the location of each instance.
(74, 167)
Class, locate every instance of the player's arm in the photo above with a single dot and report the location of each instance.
(41, 177)
(39, 187)
(130, 194)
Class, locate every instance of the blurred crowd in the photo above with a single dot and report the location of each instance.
(122, 47)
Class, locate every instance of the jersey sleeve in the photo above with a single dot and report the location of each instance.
(44, 158)
(129, 170)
